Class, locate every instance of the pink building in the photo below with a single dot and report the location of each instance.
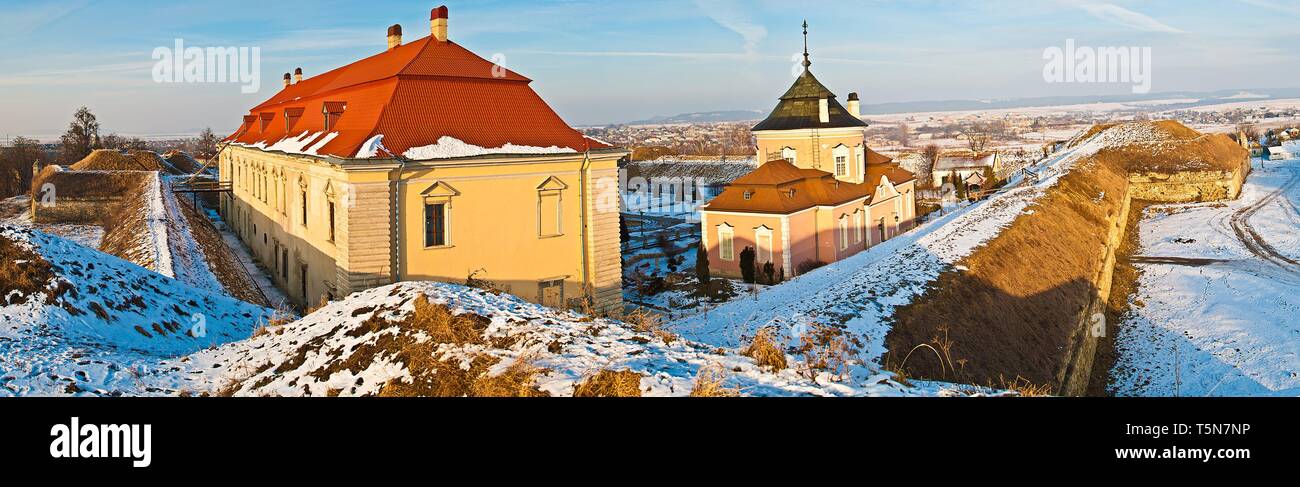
(822, 195)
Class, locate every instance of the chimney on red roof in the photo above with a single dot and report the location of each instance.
(394, 36)
(438, 23)
(287, 80)
(297, 75)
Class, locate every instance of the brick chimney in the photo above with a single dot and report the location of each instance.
(855, 106)
(287, 80)
(297, 75)
(394, 36)
(438, 23)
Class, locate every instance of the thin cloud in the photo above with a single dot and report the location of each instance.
(1116, 14)
(732, 16)
(714, 56)
(1291, 10)
(22, 21)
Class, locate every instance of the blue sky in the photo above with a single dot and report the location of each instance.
(609, 61)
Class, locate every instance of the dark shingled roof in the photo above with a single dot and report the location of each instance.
(800, 108)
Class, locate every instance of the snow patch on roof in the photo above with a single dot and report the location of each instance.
(451, 147)
(372, 147)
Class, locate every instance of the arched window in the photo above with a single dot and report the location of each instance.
(844, 232)
(763, 238)
(858, 225)
(726, 242)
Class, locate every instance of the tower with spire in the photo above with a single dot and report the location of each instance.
(818, 195)
(811, 129)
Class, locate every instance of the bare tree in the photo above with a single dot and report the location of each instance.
(82, 136)
(929, 158)
(118, 142)
(904, 135)
(206, 145)
(1249, 130)
(16, 165)
(978, 137)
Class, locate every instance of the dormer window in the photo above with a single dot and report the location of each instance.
(291, 116)
(266, 119)
(748, 195)
(332, 111)
(791, 192)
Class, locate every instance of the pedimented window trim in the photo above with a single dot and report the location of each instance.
(330, 193)
(440, 189)
(552, 184)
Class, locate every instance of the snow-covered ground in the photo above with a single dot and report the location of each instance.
(133, 333)
(188, 263)
(112, 323)
(568, 346)
(1227, 321)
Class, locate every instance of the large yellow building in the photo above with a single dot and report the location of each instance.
(424, 162)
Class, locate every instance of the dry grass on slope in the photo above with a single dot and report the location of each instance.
(125, 222)
(1012, 312)
(22, 272)
(222, 261)
(1215, 152)
(86, 185)
(114, 160)
(609, 383)
(418, 342)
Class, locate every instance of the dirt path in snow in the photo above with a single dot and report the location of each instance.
(1256, 244)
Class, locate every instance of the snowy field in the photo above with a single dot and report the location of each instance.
(1227, 321)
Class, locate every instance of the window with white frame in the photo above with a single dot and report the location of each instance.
(789, 154)
(861, 161)
(550, 215)
(763, 237)
(858, 226)
(841, 154)
(844, 232)
(726, 243)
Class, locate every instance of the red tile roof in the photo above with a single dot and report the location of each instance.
(413, 95)
(770, 188)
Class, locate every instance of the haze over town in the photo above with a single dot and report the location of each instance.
(615, 62)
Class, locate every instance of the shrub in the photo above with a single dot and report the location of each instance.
(769, 272)
(747, 265)
(702, 266)
(711, 382)
(765, 352)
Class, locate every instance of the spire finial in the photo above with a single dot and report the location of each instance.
(806, 62)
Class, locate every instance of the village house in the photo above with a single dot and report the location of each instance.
(820, 194)
(973, 170)
(424, 162)
(1279, 153)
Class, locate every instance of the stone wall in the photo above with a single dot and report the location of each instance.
(1183, 187)
(1189, 186)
